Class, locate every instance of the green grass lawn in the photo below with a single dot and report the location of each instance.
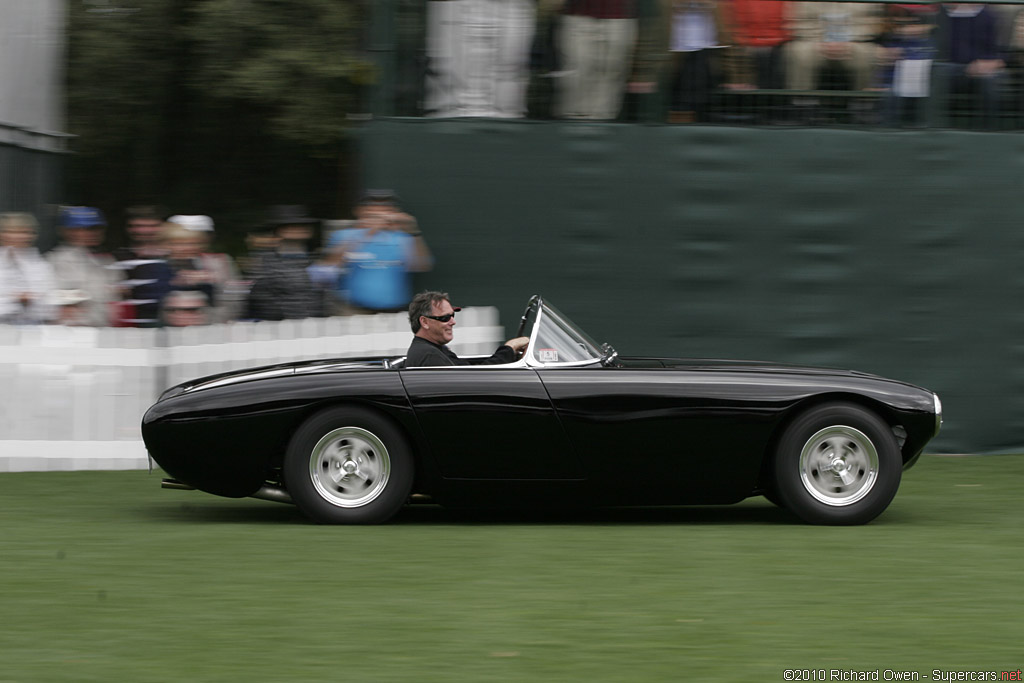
(106, 577)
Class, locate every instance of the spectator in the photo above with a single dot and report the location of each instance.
(188, 272)
(652, 64)
(596, 44)
(184, 308)
(380, 253)
(758, 33)
(836, 34)
(26, 279)
(909, 49)
(697, 30)
(81, 266)
(283, 288)
(1012, 42)
(260, 241)
(478, 55)
(144, 262)
(191, 248)
(968, 60)
(328, 274)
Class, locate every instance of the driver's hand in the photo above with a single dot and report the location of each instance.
(518, 344)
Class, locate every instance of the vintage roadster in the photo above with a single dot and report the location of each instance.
(571, 423)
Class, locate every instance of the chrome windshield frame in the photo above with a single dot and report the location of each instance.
(544, 311)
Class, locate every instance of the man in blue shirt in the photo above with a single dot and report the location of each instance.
(379, 255)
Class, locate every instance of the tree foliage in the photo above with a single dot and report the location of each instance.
(214, 105)
(299, 59)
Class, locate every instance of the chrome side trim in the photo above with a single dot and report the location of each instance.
(517, 365)
(341, 365)
(226, 381)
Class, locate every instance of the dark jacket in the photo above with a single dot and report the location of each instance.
(961, 40)
(149, 280)
(283, 289)
(423, 353)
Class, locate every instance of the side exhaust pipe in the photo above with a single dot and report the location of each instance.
(272, 493)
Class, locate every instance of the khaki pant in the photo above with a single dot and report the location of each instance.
(597, 56)
(479, 53)
(804, 61)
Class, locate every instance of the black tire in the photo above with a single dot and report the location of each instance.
(838, 464)
(348, 465)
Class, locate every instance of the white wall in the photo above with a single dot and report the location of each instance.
(32, 46)
(73, 398)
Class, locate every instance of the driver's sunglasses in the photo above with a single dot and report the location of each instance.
(443, 318)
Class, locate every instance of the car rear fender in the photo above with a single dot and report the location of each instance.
(402, 419)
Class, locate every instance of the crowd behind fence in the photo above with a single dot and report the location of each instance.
(171, 274)
(74, 397)
(744, 62)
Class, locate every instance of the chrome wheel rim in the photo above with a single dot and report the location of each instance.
(839, 465)
(349, 467)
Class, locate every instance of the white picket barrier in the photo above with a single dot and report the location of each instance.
(72, 398)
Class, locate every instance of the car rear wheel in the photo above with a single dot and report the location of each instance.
(348, 466)
(837, 464)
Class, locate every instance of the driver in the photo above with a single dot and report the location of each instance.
(432, 318)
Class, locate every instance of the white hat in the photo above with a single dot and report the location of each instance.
(69, 297)
(197, 223)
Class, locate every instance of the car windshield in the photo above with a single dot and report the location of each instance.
(557, 340)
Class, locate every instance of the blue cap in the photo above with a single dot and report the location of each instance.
(80, 217)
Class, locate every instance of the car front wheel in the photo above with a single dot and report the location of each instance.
(837, 464)
(348, 466)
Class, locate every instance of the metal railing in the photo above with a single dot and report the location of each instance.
(731, 62)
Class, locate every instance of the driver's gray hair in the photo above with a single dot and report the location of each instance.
(423, 304)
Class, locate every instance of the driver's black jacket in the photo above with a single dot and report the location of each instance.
(423, 353)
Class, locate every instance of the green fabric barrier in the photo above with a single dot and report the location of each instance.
(889, 252)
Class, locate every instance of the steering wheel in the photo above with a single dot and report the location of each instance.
(531, 306)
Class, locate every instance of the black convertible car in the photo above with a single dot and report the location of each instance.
(570, 423)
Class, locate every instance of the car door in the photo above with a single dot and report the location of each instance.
(490, 422)
(662, 435)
